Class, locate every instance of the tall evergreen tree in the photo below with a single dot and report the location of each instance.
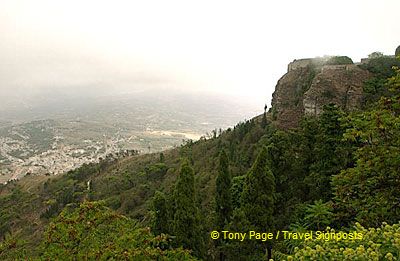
(331, 154)
(258, 193)
(186, 218)
(161, 214)
(258, 196)
(223, 195)
(264, 120)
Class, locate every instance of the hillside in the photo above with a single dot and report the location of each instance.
(332, 170)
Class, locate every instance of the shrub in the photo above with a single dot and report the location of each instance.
(339, 60)
(381, 243)
(94, 232)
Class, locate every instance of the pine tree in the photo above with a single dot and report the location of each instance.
(264, 120)
(186, 217)
(258, 196)
(223, 195)
(236, 191)
(331, 154)
(258, 193)
(161, 214)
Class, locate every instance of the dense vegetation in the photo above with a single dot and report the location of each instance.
(339, 60)
(375, 87)
(338, 170)
(382, 243)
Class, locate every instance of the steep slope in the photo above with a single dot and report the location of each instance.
(126, 185)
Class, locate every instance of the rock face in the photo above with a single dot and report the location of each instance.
(338, 84)
(397, 53)
(287, 100)
(309, 84)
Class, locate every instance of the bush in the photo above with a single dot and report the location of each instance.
(382, 66)
(375, 55)
(381, 243)
(339, 60)
(94, 232)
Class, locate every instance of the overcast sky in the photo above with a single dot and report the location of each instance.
(230, 47)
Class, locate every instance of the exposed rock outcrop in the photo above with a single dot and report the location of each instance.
(287, 100)
(338, 84)
(309, 84)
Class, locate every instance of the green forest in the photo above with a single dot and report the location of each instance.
(338, 172)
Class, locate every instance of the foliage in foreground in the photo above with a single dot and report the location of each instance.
(382, 243)
(94, 232)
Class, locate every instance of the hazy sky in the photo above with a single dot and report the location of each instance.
(230, 47)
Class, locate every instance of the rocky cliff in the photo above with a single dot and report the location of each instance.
(309, 84)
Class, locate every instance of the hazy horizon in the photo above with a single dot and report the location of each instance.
(221, 48)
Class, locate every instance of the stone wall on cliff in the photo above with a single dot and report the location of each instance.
(309, 84)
